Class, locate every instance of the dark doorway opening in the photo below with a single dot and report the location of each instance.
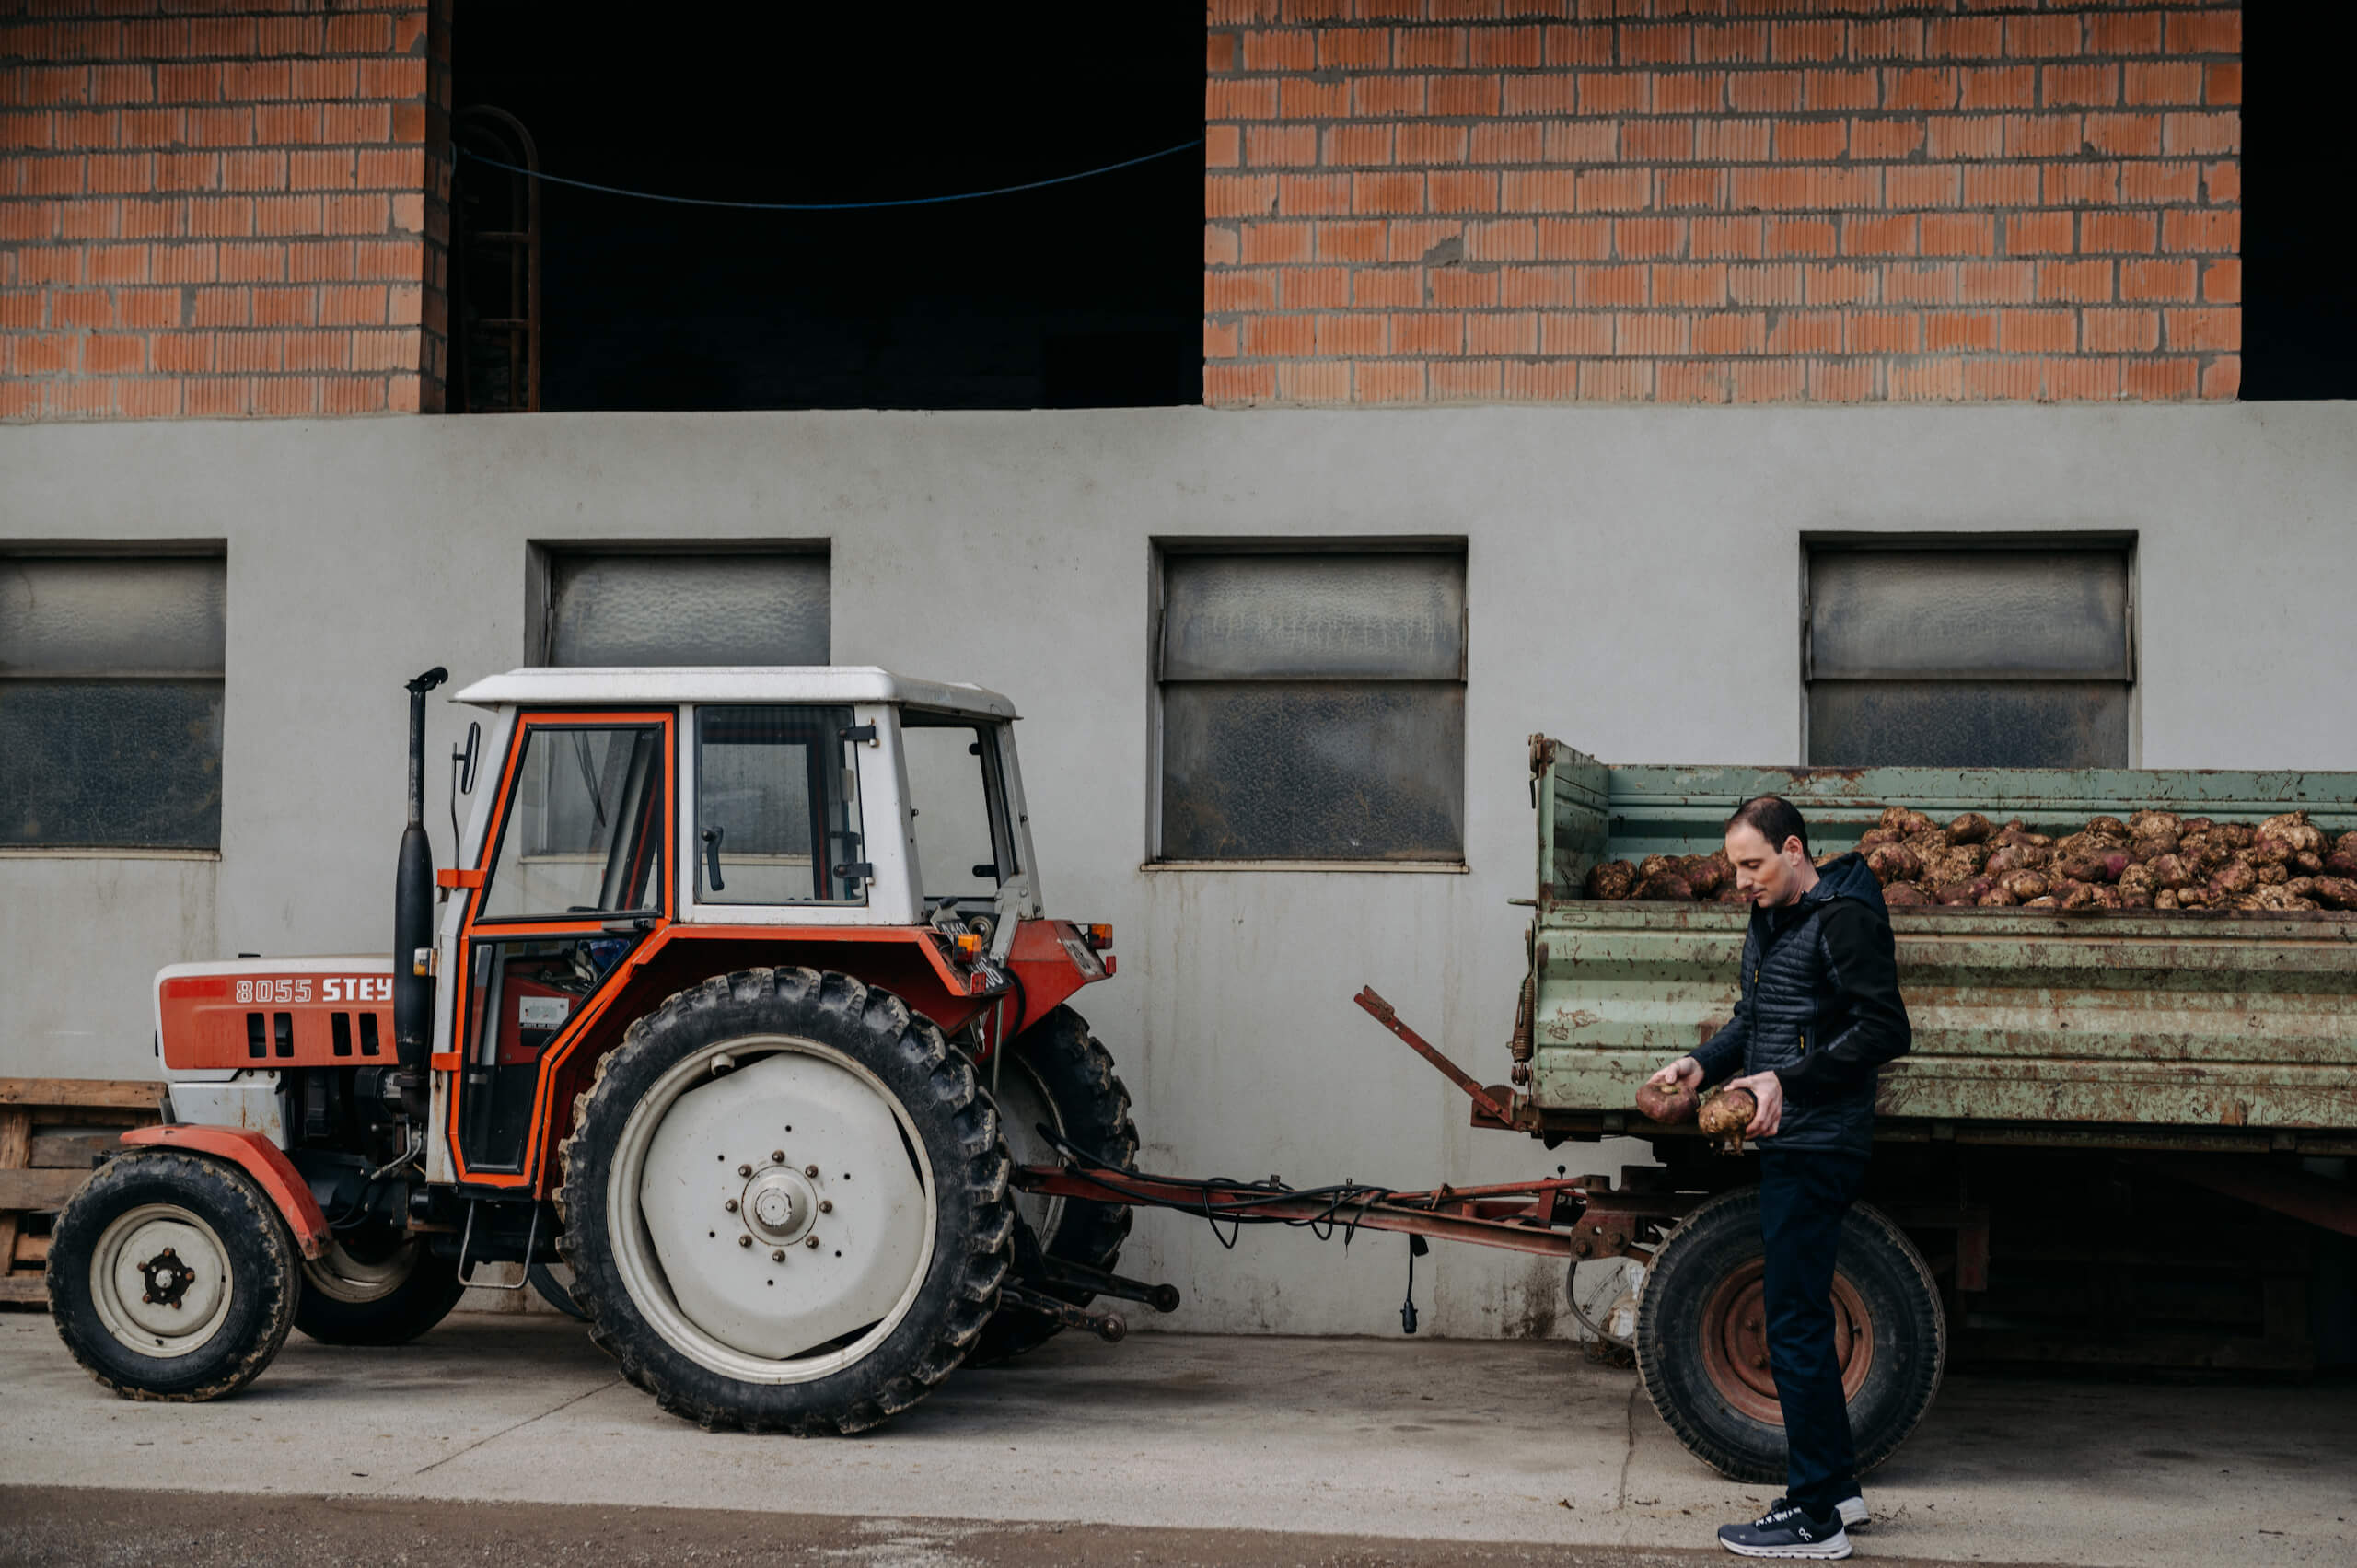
(1081, 295)
(2299, 298)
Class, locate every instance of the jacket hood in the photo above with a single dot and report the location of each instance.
(1847, 876)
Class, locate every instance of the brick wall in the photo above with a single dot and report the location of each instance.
(230, 210)
(1718, 201)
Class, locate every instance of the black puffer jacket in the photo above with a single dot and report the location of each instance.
(1820, 1009)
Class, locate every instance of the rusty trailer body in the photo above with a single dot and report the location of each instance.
(2193, 1030)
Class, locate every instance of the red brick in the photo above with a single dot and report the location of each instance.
(1732, 42)
(2080, 281)
(2219, 328)
(1991, 283)
(1959, 137)
(1349, 240)
(1616, 380)
(2156, 280)
(1386, 193)
(1732, 141)
(2193, 134)
(1842, 382)
(1923, 185)
(2222, 83)
(1556, 94)
(1575, 239)
(2038, 331)
(1839, 282)
(2079, 379)
(1461, 288)
(1929, 88)
(1466, 191)
(1806, 331)
(1764, 285)
(1879, 234)
(1313, 288)
(1219, 245)
(1441, 144)
(1764, 92)
(1728, 237)
(2205, 32)
(1897, 39)
(1612, 285)
(1690, 92)
(2122, 331)
(1239, 196)
(1808, 41)
(1886, 138)
(1425, 49)
(1428, 333)
(1643, 239)
(1277, 336)
(1223, 146)
(2157, 379)
(1997, 87)
(2125, 135)
(183, 353)
(1295, 146)
(1768, 380)
(1650, 334)
(1388, 381)
(1657, 140)
(1691, 381)
(1699, 285)
(2042, 37)
(1542, 380)
(1501, 240)
(1925, 380)
(1969, 330)
(1382, 95)
(2162, 82)
(1621, 189)
(2214, 231)
(1314, 381)
(1509, 47)
(2222, 181)
(2117, 233)
(2087, 86)
(1843, 89)
(2222, 281)
(2222, 377)
(1291, 49)
(1219, 52)
(1543, 286)
(1689, 188)
(2039, 234)
(1959, 233)
(1811, 141)
(1385, 288)
(1582, 141)
(1465, 97)
(1664, 44)
(2044, 135)
(1731, 333)
(1464, 380)
(1497, 332)
(1491, 142)
(1240, 100)
(1276, 242)
(2152, 184)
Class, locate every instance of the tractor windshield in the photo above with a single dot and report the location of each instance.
(957, 781)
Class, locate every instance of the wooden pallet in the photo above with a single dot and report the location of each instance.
(50, 1130)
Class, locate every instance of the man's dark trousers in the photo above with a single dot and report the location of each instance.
(1803, 1195)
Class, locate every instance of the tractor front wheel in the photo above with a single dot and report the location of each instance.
(786, 1203)
(1056, 1076)
(171, 1277)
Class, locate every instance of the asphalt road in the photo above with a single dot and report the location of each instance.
(512, 1440)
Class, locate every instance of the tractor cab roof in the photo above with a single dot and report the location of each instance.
(732, 683)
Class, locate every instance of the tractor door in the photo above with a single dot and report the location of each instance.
(573, 880)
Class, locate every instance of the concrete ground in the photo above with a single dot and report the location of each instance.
(1190, 1448)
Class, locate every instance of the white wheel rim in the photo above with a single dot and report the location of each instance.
(807, 1273)
(160, 1281)
(1607, 1289)
(1023, 1104)
(340, 1275)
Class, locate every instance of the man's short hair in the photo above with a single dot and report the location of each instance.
(1773, 817)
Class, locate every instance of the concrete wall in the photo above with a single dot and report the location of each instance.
(1632, 581)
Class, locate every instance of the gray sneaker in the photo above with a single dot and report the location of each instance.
(1786, 1530)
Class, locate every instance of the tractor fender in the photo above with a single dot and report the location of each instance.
(258, 1157)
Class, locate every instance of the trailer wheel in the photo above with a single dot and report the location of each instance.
(376, 1288)
(1702, 1355)
(784, 1203)
(1056, 1073)
(171, 1277)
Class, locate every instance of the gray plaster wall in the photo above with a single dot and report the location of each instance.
(1634, 588)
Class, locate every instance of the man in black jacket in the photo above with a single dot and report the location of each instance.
(1819, 1013)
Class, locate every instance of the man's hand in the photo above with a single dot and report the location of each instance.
(1768, 1090)
(1683, 1073)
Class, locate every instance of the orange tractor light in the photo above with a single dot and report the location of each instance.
(969, 944)
(1099, 936)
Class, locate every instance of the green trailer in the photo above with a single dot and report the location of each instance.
(2119, 1136)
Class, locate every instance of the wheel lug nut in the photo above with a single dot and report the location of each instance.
(777, 1157)
(744, 1241)
(809, 1170)
(744, 1171)
(777, 1254)
(809, 1241)
(826, 1205)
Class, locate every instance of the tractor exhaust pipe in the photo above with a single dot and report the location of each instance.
(413, 917)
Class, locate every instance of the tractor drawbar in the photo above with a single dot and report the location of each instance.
(413, 918)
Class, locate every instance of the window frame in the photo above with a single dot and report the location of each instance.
(133, 551)
(1162, 549)
(544, 559)
(2125, 541)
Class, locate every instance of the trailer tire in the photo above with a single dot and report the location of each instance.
(1057, 1071)
(1695, 1347)
(762, 1037)
(238, 1284)
(376, 1289)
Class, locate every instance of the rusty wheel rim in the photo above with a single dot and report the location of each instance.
(1735, 1341)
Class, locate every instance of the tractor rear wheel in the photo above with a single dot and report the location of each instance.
(1703, 1359)
(1056, 1076)
(376, 1287)
(786, 1203)
(171, 1277)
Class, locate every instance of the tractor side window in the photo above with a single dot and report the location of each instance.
(584, 834)
(964, 847)
(777, 807)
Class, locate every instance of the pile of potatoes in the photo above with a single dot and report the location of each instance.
(2153, 860)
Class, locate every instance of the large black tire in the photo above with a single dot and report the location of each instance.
(1695, 1333)
(377, 1287)
(237, 1279)
(716, 1027)
(1056, 1064)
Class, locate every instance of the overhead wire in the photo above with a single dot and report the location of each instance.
(824, 206)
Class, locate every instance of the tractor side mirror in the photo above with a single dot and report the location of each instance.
(462, 761)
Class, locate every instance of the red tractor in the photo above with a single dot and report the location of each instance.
(740, 1002)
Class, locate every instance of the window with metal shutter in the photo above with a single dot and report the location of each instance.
(110, 694)
(1312, 705)
(682, 608)
(2014, 655)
